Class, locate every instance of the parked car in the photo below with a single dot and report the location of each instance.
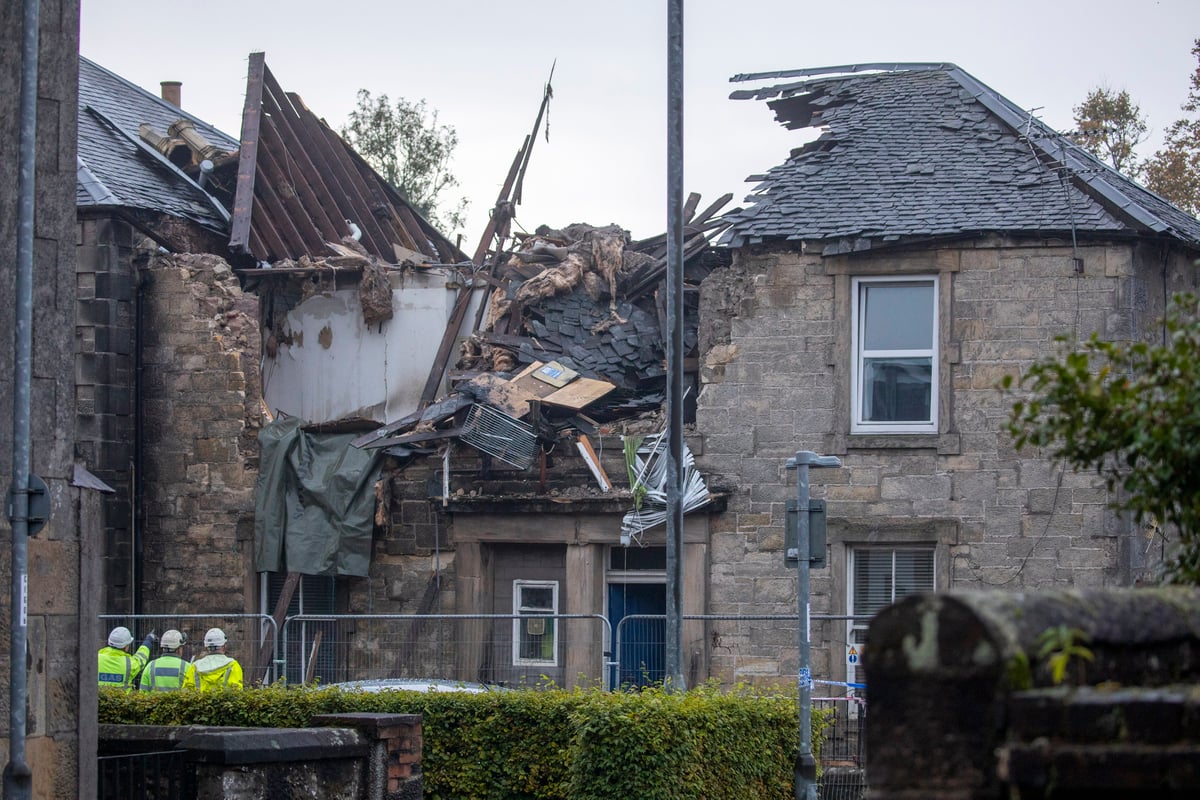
(416, 685)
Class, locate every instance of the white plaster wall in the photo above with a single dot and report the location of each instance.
(377, 373)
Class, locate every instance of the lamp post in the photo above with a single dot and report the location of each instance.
(806, 764)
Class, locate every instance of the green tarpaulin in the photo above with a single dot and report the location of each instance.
(314, 505)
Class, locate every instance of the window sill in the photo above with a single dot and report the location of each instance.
(943, 443)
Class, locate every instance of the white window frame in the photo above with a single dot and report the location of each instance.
(857, 423)
(519, 609)
(855, 630)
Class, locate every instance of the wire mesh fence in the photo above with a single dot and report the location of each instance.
(499, 649)
(843, 749)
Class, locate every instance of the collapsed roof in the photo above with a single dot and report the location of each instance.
(574, 334)
(910, 151)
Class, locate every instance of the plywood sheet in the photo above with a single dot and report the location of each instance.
(579, 393)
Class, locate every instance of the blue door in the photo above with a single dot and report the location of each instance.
(643, 641)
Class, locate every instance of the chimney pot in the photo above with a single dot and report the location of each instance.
(172, 92)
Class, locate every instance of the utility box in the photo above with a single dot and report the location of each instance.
(816, 534)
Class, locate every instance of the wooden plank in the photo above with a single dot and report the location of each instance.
(593, 461)
(412, 438)
(243, 197)
(312, 657)
(267, 651)
(504, 395)
(579, 393)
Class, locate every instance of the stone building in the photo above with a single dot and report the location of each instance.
(61, 605)
(932, 239)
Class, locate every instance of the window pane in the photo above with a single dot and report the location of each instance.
(897, 389)
(537, 598)
(897, 316)
(637, 558)
(883, 576)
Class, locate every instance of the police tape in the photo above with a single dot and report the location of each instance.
(842, 683)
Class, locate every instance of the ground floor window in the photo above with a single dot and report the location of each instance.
(879, 576)
(535, 640)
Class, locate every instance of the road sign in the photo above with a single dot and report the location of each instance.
(852, 655)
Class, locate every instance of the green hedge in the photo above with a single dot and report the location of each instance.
(540, 744)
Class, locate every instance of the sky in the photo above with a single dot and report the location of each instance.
(483, 66)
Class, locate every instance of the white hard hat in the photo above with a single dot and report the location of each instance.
(120, 637)
(171, 640)
(214, 638)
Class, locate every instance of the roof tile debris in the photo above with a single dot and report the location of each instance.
(574, 335)
(918, 150)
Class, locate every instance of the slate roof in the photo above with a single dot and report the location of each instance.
(116, 169)
(926, 150)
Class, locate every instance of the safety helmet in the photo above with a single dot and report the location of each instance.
(120, 637)
(171, 640)
(214, 638)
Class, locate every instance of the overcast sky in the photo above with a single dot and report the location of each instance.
(483, 65)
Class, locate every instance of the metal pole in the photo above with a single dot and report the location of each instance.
(674, 654)
(806, 764)
(18, 780)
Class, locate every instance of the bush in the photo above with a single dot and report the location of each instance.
(540, 745)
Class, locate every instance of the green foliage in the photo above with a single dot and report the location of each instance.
(632, 443)
(1174, 171)
(1111, 125)
(540, 744)
(1131, 412)
(405, 144)
(1058, 646)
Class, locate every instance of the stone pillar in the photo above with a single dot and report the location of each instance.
(941, 670)
(394, 771)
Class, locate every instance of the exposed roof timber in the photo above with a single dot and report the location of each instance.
(300, 186)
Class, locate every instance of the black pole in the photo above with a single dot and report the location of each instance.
(18, 780)
(674, 654)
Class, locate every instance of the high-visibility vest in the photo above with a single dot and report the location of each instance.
(163, 674)
(119, 670)
(213, 671)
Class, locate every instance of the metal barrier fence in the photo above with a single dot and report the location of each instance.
(250, 636)
(843, 751)
(502, 649)
(757, 649)
(144, 776)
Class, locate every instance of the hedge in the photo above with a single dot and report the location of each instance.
(540, 744)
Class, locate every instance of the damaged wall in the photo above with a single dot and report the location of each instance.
(325, 363)
(203, 412)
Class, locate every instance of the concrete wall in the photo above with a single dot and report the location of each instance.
(775, 380)
(59, 747)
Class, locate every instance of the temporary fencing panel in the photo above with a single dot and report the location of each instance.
(251, 637)
(563, 649)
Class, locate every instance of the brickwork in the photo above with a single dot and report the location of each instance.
(778, 382)
(202, 414)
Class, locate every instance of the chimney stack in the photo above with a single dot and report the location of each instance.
(172, 92)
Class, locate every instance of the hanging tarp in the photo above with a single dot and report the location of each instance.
(314, 502)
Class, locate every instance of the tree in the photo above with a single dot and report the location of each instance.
(1131, 412)
(404, 143)
(1111, 125)
(1174, 171)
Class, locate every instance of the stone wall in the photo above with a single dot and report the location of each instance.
(778, 382)
(963, 705)
(202, 414)
(58, 748)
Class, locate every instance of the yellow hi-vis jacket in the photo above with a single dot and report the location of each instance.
(118, 669)
(163, 674)
(214, 671)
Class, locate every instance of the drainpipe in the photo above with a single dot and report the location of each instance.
(138, 512)
(18, 780)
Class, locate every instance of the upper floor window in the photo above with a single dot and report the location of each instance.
(895, 373)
